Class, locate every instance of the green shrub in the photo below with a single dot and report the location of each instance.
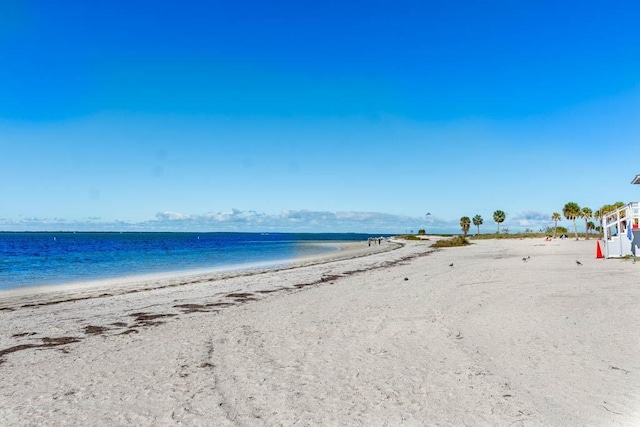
(559, 231)
(409, 237)
(448, 243)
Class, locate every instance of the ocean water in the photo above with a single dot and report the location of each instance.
(35, 259)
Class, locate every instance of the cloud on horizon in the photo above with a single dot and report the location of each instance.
(288, 220)
(534, 220)
(235, 220)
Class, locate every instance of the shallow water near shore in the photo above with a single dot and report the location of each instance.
(36, 259)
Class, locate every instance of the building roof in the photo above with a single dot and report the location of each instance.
(636, 180)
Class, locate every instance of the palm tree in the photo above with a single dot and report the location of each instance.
(597, 215)
(465, 223)
(555, 217)
(499, 217)
(604, 211)
(587, 215)
(477, 221)
(590, 226)
(572, 211)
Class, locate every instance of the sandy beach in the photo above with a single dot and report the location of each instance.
(390, 335)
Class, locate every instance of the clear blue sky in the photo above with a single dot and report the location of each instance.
(314, 116)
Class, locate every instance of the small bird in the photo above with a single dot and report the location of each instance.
(406, 278)
(578, 262)
(525, 259)
(451, 265)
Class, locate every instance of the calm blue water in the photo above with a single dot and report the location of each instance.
(33, 259)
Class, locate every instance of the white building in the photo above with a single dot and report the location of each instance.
(621, 232)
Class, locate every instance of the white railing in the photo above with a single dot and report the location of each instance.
(615, 223)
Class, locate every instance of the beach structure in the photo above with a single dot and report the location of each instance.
(621, 232)
(621, 229)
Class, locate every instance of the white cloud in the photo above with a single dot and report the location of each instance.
(285, 221)
(533, 220)
(171, 216)
(534, 216)
(237, 220)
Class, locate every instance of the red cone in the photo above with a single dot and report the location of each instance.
(598, 250)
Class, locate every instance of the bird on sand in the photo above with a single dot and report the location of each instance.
(451, 265)
(525, 259)
(578, 262)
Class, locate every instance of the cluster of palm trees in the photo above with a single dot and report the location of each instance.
(465, 222)
(573, 211)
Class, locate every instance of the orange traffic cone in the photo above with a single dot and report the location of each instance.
(598, 250)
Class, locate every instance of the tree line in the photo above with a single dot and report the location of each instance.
(571, 211)
(465, 222)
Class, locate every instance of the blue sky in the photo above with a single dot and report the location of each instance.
(314, 116)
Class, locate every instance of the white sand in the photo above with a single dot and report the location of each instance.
(493, 340)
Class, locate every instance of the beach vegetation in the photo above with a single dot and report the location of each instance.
(586, 214)
(499, 217)
(559, 229)
(590, 226)
(555, 217)
(597, 215)
(572, 211)
(607, 209)
(477, 221)
(531, 234)
(422, 232)
(454, 241)
(409, 237)
(522, 235)
(465, 224)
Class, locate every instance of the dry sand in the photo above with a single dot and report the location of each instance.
(393, 338)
